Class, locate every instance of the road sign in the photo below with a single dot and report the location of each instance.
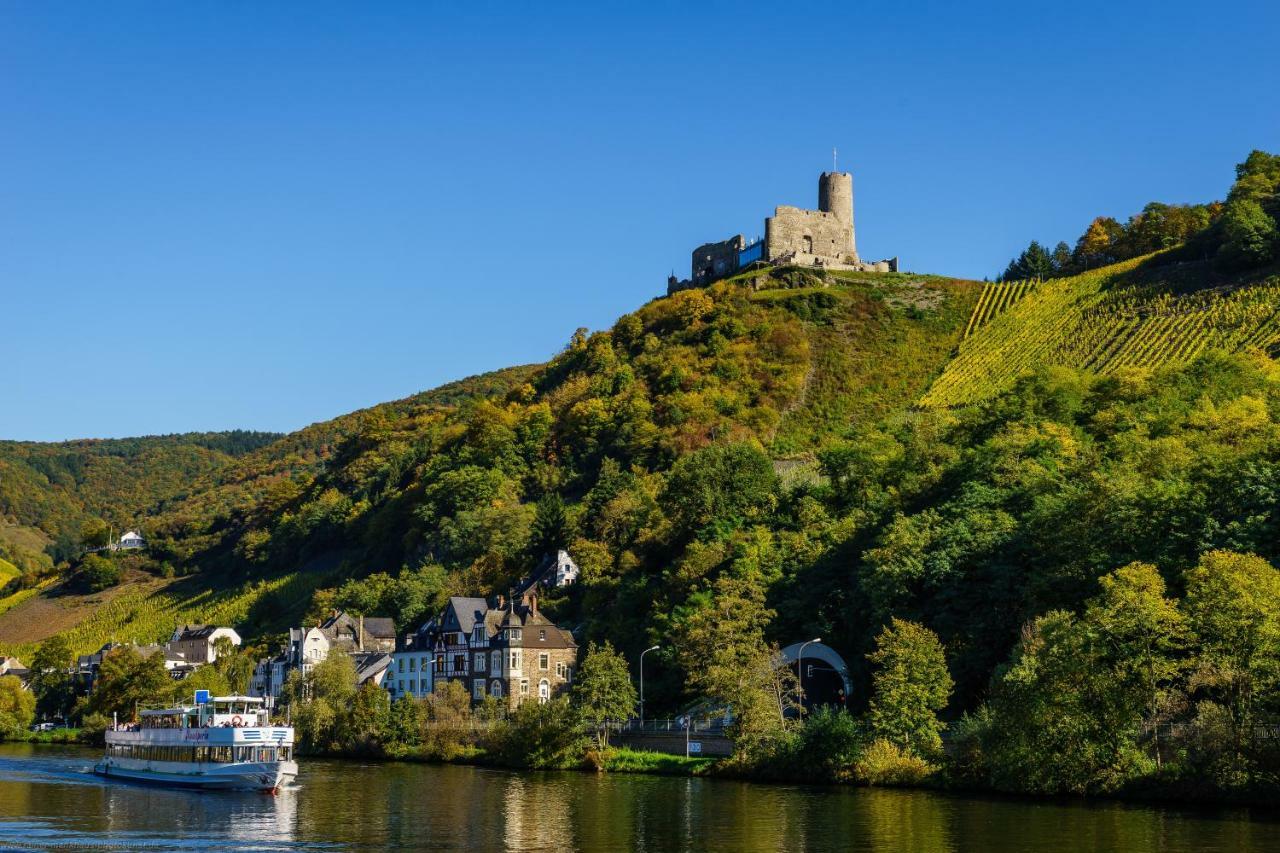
(695, 746)
(202, 696)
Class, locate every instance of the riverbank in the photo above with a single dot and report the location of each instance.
(76, 736)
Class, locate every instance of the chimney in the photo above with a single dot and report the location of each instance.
(501, 601)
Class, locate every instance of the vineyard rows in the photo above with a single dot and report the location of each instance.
(147, 616)
(1090, 322)
(997, 297)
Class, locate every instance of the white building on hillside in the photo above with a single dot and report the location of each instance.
(132, 539)
(195, 643)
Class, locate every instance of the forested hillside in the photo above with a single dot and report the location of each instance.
(48, 492)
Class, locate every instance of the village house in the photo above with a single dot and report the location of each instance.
(368, 639)
(13, 666)
(195, 643)
(508, 650)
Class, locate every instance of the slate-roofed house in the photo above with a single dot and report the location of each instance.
(195, 643)
(505, 649)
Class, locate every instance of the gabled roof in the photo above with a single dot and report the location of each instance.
(195, 632)
(369, 664)
(466, 611)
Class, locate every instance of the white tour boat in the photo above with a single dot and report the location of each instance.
(223, 742)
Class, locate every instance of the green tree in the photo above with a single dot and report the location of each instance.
(722, 649)
(321, 702)
(233, 665)
(205, 678)
(1250, 236)
(910, 686)
(603, 690)
(371, 727)
(126, 681)
(98, 572)
(723, 484)
(1144, 633)
(17, 707)
(1233, 604)
(95, 533)
(550, 530)
(51, 678)
(1060, 720)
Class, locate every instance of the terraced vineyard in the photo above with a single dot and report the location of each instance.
(1102, 321)
(997, 297)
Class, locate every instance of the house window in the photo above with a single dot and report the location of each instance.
(524, 687)
(459, 663)
(542, 635)
(495, 689)
(544, 661)
(413, 665)
(479, 661)
(495, 662)
(439, 663)
(424, 664)
(516, 659)
(544, 690)
(477, 634)
(413, 685)
(400, 665)
(477, 690)
(400, 685)
(560, 668)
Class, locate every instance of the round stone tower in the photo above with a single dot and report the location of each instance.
(835, 194)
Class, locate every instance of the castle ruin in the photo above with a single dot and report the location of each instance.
(817, 238)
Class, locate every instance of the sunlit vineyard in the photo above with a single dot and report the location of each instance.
(997, 297)
(146, 615)
(1101, 322)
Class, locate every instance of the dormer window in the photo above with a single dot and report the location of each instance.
(542, 635)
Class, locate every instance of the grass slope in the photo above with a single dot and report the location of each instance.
(1141, 313)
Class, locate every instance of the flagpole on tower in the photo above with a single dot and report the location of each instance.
(834, 168)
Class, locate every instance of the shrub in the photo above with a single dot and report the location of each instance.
(542, 735)
(98, 572)
(884, 763)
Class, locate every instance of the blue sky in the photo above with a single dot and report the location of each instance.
(220, 215)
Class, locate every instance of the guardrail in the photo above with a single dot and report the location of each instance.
(672, 725)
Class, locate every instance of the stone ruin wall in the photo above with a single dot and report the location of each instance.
(808, 235)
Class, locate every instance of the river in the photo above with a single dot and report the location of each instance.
(50, 800)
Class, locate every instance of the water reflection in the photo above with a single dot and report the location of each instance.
(49, 800)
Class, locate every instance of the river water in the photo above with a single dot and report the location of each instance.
(50, 800)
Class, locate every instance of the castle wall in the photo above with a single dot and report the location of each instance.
(716, 260)
(808, 234)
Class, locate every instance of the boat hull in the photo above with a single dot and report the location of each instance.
(227, 777)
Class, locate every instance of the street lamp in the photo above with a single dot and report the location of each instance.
(642, 654)
(800, 666)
